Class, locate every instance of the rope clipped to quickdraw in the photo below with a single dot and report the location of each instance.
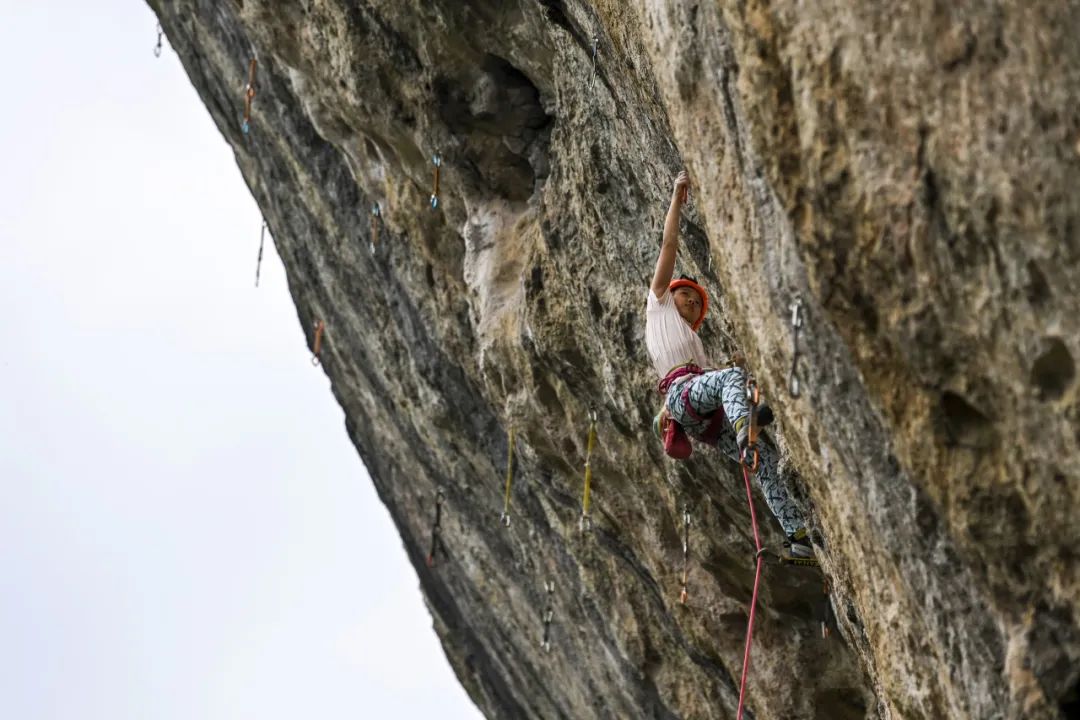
(549, 613)
(753, 396)
(436, 160)
(317, 347)
(436, 526)
(586, 518)
(505, 517)
(685, 554)
(796, 327)
(258, 263)
(249, 96)
(376, 213)
(157, 48)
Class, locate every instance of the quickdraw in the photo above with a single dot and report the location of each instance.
(157, 48)
(376, 213)
(595, 53)
(752, 395)
(258, 263)
(436, 526)
(249, 96)
(685, 555)
(317, 346)
(796, 327)
(549, 613)
(826, 611)
(505, 517)
(436, 160)
(586, 518)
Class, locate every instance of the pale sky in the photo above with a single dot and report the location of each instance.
(185, 529)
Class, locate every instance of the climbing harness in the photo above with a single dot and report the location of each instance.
(436, 526)
(586, 518)
(685, 554)
(549, 612)
(753, 395)
(157, 48)
(249, 96)
(436, 160)
(376, 213)
(317, 348)
(505, 517)
(796, 327)
(258, 263)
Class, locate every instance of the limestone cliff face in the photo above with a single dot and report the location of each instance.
(908, 169)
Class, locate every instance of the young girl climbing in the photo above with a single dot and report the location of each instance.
(707, 404)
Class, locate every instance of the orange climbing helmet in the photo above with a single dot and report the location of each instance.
(689, 282)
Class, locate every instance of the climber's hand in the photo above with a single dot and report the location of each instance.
(682, 186)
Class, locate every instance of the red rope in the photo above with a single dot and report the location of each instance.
(753, 599)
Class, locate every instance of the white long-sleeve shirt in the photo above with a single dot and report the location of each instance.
(668, 336)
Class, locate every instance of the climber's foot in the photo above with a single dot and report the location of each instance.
(798, 545)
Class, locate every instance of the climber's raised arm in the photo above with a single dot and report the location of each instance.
(665, 264)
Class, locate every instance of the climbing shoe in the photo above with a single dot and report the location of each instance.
(798, 545)
(742, 432)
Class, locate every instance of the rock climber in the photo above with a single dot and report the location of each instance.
(709, 405)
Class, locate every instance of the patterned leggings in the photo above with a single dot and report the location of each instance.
(725, 390)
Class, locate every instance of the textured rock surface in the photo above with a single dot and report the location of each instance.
(908, 169)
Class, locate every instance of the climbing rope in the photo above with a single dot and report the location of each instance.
(376, 213)
(258, 263)
(436, 526)
(436, 160)
(753, 395)
(685, 554)
(319, 327)
(586, 519)
(157, 48)
(796, 327)
(249, 96)
(549, 613)
(505, 518)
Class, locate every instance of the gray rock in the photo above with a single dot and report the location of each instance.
(908, 171)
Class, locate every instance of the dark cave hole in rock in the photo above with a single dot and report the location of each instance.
(556, 13)
(372, 152)
(1053, 371)
(965, 425)
(1070, 702)
(1038, 290)
(839, 704)
(498, 115)
(595, 306)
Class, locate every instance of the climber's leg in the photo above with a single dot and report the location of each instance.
(773, 486)
(720, 389)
